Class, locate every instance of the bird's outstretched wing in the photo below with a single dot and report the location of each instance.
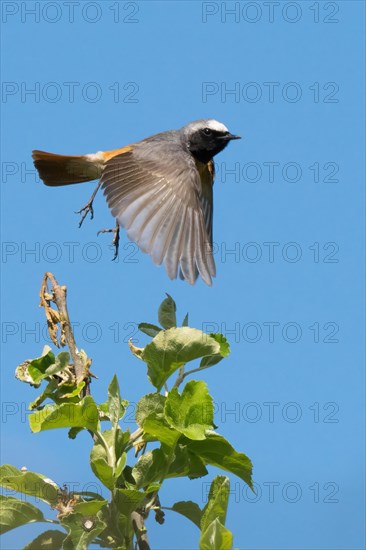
(164, 200)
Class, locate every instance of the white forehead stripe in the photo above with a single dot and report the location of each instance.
(216, 126)
(207, 123)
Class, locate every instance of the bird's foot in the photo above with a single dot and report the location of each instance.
(115, 241)
(88, 208)
(84, 211)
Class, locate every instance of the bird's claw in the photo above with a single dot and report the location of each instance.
(115, 241)
(85, 211)
(89, 206)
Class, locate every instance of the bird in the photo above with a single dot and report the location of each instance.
(160, 189)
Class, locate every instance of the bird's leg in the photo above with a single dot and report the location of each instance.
(88, 207)
(115, 241)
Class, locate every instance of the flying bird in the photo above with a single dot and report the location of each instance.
(159, 189)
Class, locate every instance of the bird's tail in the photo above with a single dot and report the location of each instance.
(64, 170)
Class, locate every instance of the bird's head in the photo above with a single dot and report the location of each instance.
(206, 138)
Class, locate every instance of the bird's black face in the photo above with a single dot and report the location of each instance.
(205, 143)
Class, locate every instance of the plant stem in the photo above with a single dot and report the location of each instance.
(59, 297)
(140, 531)
(192, 371)
(180, 377)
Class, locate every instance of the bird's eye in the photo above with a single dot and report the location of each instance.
(207, 131)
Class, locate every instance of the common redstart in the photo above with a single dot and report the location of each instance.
(159, 189)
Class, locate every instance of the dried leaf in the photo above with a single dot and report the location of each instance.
(52, 316)
(136, 351)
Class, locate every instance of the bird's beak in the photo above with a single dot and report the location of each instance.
(229, 137)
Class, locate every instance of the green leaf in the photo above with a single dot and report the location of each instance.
(29, 483)
(121, 441)
(68, 415)
(8, 470)
(116, 442)
(102, 470)
(48, 365)
(100, 466)
(196, 467)
(159, 429)
(166, 313)
(217, 451)
(218, 499)
(172, 348)
(127, 500)
(212, 360)
(90, 507)
(62, 361)
(152, 488)
(192, 412)
(167, 462)
(151, 404)
(67, 391)
(58, 393)
(38, 367)
(185, 464)
(73, 432)
(216, 537)
(15, 512)
(224, 344)
(185, 321)
(82, 530)
(115, 405)
(190, 510)
(150, 468)
(49, 389)
(49, 540)
(150, 330)
(104, 413)
(121, 463)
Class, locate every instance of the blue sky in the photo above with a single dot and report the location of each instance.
(288, 232)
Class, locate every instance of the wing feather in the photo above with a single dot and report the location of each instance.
(171, 260)
(187, 264)
(165, 204)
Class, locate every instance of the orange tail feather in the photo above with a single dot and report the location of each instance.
(65, 170)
